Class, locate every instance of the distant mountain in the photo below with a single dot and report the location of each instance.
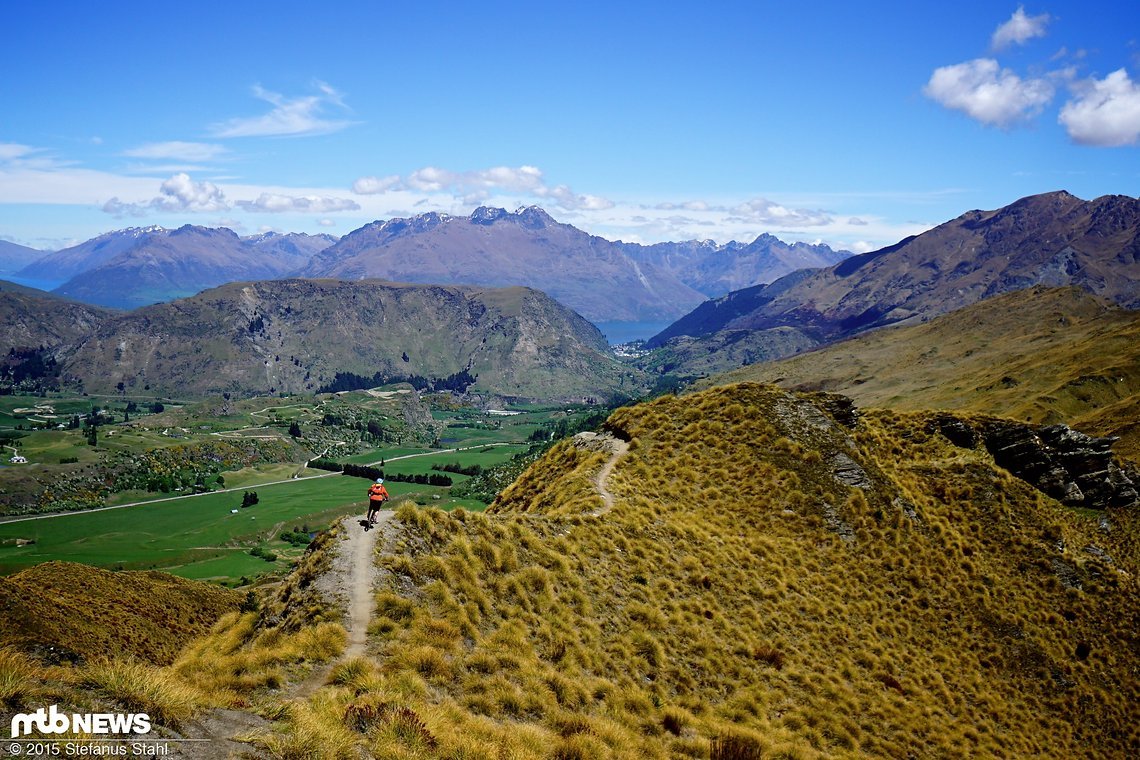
(137, 267)
(1044, 355)
(1053, 239)
(14, 257)
(297, 335)
(293, 244)
(601, 279)
(715, 270)
(493, 247)
(69, 262)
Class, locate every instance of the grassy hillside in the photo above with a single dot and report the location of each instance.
(768, 583)
(1041, 355)
(64, 612)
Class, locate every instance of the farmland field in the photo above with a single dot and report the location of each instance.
(200, 537)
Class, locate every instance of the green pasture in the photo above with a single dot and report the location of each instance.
(199, 537)
(484, 457)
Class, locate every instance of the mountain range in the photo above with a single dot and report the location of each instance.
(1054, 239)
(297, 335)
(142, 266)
(598, 278)
(601, 279)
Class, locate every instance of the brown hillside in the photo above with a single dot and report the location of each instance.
(1040, 355)
(771, 581)
(62, 611)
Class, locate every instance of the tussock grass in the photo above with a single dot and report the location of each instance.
(20, 678)
(64, 607)
(143, 688)
(238, 658)
(741, 600)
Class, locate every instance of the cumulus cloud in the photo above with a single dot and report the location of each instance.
(289, 117)
(275, 203)
(473, 187)
(1019, 29)
(984, 91)
(178, 151)
(1105, 113)
(177, 194)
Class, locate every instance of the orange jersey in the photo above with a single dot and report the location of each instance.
(377, 492)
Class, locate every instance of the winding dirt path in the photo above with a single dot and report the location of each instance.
(617, 449)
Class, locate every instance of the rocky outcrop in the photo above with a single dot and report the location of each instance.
(1075, 469)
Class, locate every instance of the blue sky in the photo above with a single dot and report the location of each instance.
(850, 123)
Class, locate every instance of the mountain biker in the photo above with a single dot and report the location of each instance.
(377, 495)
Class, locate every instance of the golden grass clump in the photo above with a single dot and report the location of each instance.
(20, 678)
(237, 658)
(139, 687)
(769, 583)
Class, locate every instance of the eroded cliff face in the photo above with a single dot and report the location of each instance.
(1076, 469)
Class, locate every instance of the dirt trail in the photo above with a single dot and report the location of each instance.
(617, 449)
(351, 579)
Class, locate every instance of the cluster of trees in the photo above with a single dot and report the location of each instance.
(298, 536)
(248, 499)
(265, 554)
(471, 470)
(421, 479)
(350, 381)
(362, 471)
(372, 473)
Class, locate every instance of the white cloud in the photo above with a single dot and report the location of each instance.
(1019, 29)
(1105, 113)
(474, 187)
(375, 185)
(766, 212)
(984, 91)
(276, 203)
(178, 151)
(180, 193)
(290, 117)
(12, 151)
(326, 222)
(177, 194)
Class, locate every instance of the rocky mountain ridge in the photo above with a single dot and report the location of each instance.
(297, 335)
(140, 266)
(1054, 239)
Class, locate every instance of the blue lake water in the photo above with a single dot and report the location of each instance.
(32, 283)
(624, 332)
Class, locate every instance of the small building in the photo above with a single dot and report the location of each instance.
(17, 459)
